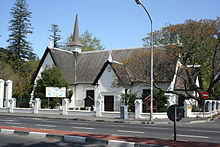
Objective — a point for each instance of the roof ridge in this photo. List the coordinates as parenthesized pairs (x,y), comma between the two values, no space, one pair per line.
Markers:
(63,50)
(120,49)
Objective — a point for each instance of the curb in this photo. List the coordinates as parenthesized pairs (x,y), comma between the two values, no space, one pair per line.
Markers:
(113,143)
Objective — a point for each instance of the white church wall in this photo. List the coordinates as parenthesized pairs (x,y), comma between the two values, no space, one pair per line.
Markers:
(79,94)
(138,89)
(47,62)
(105,88)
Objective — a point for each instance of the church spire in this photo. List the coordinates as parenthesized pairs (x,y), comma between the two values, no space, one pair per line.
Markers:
(75,44)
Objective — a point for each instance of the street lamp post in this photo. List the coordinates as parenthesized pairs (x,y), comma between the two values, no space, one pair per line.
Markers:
(151,73)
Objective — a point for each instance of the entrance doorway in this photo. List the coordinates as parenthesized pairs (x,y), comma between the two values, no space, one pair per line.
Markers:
(89,100)
(109,103)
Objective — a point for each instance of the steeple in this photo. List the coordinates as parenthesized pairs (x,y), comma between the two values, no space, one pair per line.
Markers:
(75,44)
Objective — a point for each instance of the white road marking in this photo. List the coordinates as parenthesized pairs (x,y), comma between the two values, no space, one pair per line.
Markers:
(192,136)
(125,131)
(156,128)
(32,118)
(8,120)
(78,123)
(205,131)
(12,123)
(115,125)
(49,121)
(83,128)
(41,125)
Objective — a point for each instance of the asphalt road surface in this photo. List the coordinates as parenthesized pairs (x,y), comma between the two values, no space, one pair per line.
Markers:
(25,141)
(202,132)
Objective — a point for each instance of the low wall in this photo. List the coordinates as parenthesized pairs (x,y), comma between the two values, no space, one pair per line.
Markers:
(111,114)
(201,114)
(3,109)
(81,113)
(49,111)
(23,110)
(162,115)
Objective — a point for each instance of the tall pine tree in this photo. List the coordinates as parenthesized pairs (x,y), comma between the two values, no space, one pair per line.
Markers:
(20,27)
(55,36)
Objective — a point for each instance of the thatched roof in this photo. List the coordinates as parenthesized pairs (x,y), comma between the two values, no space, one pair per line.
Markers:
(86,66)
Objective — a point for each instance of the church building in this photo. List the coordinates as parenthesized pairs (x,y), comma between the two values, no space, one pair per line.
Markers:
(92,74)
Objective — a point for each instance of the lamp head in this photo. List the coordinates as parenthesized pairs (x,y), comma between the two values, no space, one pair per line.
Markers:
(138,2)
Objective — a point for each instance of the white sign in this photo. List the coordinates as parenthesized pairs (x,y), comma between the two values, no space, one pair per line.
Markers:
(55,91)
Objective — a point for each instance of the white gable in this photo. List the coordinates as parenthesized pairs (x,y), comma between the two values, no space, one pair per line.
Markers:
(106,80)
(47,62)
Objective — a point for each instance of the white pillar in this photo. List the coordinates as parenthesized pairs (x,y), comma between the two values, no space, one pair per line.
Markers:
(8,92)
(138,108)
(98,108)
(214,106)
(2,85)
(12,102)
(218,108)
(187,108)
(65,104)
(209,106)
(37,105)
(31,102)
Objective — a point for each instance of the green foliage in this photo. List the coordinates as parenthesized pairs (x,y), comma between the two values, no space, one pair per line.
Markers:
(89,42)
(50,77)
(21,88)
(195,43)
(128,100)
(20,27)
(55,36)
(161,100)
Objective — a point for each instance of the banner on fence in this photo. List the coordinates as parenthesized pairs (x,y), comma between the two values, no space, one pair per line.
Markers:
(55,91)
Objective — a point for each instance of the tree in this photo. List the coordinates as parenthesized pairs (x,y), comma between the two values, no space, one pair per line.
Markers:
(89,42)
(55,36)
(50,77)
(20,27)
(135,70)
(194,43)
(128,100)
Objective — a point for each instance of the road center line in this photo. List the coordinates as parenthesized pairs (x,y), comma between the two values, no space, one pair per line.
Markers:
(8,120)
(205,131)
(192,136)
(79,123)
(156,128)
(125,131)
(41,125)
(115,125)
(83,128)
(12,123)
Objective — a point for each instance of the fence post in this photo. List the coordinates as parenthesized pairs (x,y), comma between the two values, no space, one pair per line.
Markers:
(2,85)
(37,105)
(218,108)
(65,103)
(98,108)
(8,93)
(12,102)
(138,108)
(187,108)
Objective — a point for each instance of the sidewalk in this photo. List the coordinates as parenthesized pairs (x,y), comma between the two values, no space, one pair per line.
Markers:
(106,119)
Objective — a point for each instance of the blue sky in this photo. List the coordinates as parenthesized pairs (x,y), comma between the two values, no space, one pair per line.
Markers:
(117,23)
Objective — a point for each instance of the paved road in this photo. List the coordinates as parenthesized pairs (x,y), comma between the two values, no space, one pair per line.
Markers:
(23,141)
(203,132)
